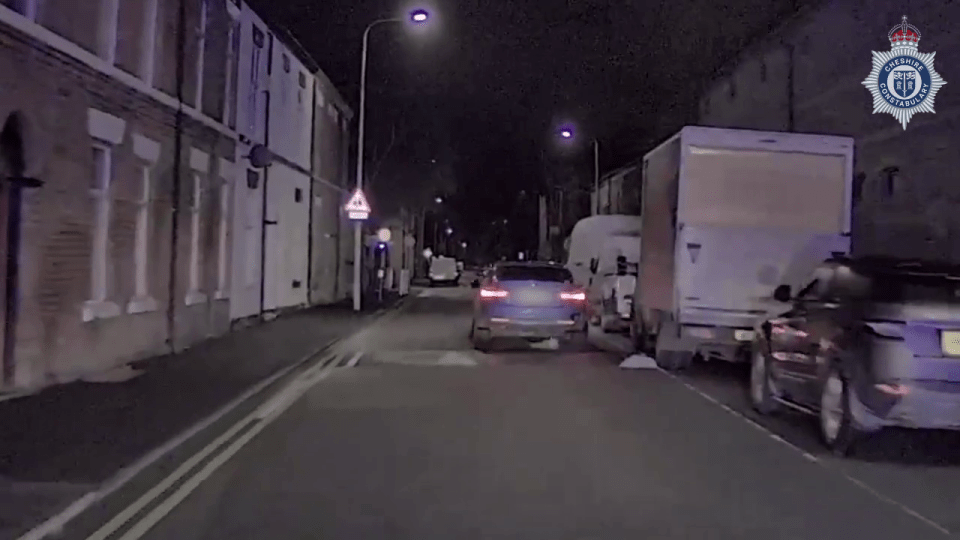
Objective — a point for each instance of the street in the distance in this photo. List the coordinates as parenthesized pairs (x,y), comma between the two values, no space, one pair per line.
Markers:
(423,437)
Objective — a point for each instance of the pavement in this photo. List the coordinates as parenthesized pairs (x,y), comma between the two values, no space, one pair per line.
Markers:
(70,441)
(413,434)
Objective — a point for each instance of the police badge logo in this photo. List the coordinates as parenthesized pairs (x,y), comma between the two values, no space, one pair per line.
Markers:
(903,81)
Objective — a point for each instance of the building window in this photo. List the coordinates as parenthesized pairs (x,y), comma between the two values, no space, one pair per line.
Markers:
(890,177)
(858,181)
(142,235)
(27,8)
(148,42)
(100,193)
(230,103)
(763,71)
(286,63)
(258,40)
(201,45)
(196,202)
(107,31)
(223,234)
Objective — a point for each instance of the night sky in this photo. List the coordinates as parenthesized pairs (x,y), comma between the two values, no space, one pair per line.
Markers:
(469,104)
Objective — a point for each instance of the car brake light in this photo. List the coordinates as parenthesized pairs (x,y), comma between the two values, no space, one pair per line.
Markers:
(573,296)
(493,293)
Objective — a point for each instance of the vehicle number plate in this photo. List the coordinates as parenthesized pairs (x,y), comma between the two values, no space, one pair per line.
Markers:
(950,342)
(532,297)
(743,335)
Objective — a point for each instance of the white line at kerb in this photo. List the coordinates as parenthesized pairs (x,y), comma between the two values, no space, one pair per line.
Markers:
(55,524)
(810,457)
(144,500)
(160,511)
(355,360)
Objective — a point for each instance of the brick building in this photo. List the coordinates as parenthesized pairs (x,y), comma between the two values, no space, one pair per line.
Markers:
(91,88)
(806,77)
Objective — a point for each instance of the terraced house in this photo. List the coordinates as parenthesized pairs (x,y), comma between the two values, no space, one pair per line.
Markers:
(807,76)
(121,169)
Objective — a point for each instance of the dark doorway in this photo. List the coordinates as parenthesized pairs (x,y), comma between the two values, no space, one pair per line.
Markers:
(12,168)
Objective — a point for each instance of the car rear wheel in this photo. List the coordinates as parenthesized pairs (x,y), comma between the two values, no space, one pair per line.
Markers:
(481,339)
(836,421)
(761,392)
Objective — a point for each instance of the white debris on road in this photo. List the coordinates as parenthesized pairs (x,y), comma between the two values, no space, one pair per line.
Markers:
(639,361)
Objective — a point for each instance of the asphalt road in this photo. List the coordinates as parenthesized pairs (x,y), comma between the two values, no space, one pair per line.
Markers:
(420,437)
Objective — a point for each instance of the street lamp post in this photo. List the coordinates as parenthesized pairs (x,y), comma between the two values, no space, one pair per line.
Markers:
(417,16)
(568,134)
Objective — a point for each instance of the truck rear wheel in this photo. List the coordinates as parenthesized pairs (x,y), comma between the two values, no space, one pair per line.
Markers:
(674,360)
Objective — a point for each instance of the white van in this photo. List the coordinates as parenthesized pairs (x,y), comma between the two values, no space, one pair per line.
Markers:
(444,270)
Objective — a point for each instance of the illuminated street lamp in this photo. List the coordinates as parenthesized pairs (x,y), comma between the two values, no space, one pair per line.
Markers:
(567,133)
(438,200)
(449,231)
(418,16)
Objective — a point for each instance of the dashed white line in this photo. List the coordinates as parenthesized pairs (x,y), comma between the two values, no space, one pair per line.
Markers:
(810,457)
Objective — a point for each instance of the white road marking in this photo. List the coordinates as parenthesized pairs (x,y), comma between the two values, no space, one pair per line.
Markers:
(57,522)
(810,457)
(263,416)
(353,361)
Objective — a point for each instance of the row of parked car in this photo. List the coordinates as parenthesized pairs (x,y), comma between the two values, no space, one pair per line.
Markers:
(867,343)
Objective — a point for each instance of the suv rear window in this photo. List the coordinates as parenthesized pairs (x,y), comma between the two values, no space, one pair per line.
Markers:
(533,273)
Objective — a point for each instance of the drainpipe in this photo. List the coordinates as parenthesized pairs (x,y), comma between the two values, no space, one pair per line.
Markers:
(177,179)
(344,172)
(263,207)
(314,118)
(790,90)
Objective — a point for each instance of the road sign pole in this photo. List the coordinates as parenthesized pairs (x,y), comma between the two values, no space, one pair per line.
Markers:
(357,250)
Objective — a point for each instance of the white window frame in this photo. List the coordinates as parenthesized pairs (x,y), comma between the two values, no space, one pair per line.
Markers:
(201,45)
(200,163)
(148,152)
(227,174)
(253,98)
(106,132)
(107,30)
(30,9)
(231,85)
(148,42)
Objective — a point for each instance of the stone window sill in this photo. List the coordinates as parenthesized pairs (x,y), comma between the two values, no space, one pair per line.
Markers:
(195,297)
(99,309)
(141,304)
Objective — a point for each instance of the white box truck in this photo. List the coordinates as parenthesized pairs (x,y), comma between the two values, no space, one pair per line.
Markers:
(728,215)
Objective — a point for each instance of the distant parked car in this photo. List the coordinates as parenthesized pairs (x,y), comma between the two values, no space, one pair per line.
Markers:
(533,301)
(865,344)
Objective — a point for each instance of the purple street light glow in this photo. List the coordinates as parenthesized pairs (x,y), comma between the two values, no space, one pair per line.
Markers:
(419,16)
(566,134)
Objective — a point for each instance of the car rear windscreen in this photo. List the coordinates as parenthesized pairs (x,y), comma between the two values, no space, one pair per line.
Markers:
(533,273)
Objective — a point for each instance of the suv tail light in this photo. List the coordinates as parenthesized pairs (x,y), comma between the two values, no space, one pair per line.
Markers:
(489,292)
(574,296)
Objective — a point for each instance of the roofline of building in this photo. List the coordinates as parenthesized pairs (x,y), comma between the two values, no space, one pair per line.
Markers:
(336,96)
(300,52)
(757,42)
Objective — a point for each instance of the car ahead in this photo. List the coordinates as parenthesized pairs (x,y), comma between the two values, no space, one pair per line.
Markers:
(865,344)
(528,300)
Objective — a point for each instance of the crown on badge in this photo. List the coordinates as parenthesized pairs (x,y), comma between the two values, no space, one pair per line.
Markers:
(904,35)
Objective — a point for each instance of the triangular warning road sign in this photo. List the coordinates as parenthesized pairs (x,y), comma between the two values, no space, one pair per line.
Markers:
(358,203)
(694,250)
